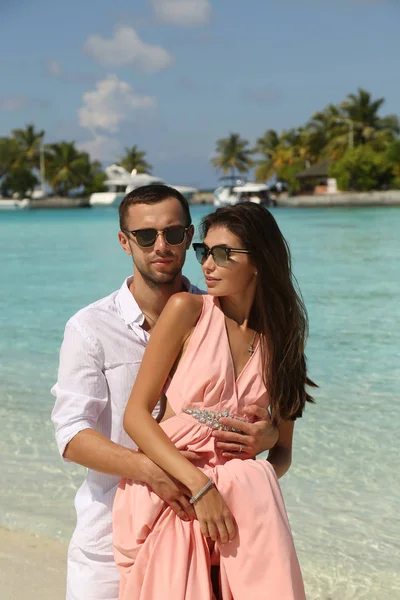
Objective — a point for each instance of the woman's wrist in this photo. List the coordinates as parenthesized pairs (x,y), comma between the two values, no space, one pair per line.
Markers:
(202,492)
(196,481)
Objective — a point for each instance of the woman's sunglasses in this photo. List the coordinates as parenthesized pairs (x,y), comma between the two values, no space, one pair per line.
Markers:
(146,238)
(220,254)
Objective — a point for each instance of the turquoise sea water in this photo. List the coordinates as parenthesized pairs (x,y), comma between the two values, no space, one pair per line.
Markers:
(343,489)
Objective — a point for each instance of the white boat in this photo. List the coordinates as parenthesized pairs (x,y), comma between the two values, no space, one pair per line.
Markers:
(14,204)
(239,190)
(120,182)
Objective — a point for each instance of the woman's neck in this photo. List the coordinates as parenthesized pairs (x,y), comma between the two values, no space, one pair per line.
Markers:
(238,308)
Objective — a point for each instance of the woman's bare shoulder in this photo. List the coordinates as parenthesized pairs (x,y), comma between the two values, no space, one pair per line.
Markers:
(184,302)
(183,310)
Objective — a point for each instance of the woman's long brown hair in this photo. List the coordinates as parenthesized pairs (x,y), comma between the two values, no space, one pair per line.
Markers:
(278,311)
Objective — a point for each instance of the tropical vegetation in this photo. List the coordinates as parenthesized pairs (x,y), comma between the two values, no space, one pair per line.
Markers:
(362,147)
(135,159)
(232,154)
(26,162)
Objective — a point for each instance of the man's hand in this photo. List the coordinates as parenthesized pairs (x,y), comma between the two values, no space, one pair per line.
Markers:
(258,435)
(174,493)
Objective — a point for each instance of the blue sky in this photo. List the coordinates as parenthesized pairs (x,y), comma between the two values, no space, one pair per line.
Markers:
(174,75)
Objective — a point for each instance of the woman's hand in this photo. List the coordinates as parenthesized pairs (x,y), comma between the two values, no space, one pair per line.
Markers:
(215,518)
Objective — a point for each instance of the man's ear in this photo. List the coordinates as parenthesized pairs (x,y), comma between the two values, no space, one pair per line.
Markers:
(189,236)
(123,240)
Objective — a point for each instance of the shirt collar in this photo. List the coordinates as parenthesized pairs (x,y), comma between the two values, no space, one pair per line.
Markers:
(129,308)
(127,305)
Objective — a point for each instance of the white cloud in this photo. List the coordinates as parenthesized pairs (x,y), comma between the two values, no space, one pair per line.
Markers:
(125,48)
(53,68)
(112,102)
(101,147)
(186,13)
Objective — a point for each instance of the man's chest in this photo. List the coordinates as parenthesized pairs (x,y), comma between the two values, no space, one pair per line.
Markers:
(120,353)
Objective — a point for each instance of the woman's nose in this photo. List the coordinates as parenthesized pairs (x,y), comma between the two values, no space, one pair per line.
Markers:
(209,264)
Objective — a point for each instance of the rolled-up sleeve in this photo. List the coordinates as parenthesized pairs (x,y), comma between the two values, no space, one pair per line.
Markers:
(81,388)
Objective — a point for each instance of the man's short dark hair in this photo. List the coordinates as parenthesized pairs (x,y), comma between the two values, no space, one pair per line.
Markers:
(152,194)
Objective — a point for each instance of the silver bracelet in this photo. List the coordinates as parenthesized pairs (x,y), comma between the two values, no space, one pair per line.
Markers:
(201,493)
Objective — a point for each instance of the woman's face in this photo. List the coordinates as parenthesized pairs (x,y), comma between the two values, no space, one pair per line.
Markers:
(237,274)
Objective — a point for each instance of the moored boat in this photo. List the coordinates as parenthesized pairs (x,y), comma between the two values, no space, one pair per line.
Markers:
(14,204)
(120,182)
(232,193)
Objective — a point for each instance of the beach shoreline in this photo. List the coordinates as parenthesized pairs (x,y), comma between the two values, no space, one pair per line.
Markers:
(342,200)
(31,566)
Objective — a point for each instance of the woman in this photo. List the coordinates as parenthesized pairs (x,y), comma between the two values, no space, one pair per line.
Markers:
(241,344)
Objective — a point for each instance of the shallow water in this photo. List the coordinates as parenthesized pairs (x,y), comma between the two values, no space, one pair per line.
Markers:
(343,487)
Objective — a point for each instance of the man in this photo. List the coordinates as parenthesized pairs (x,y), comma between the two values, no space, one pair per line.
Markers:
(99,360)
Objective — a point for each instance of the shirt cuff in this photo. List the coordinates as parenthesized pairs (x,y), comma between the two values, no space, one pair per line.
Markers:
(65,435)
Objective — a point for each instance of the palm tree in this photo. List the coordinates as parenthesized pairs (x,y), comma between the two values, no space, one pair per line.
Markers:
(135,159)
(94,179)
(266,146)
(20,181)
(10,155)
(387,133)
(232,154)
(67,168)
(29,141)
(393,154)
(362,112)
(291,149)
(297,144)
(323,127)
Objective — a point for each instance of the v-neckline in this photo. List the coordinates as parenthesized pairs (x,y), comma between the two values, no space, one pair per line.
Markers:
(235,378)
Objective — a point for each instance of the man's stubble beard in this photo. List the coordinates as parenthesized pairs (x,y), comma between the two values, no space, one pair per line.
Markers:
(157,280)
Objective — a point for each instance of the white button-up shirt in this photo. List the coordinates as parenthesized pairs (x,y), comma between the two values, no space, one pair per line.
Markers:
(100,357)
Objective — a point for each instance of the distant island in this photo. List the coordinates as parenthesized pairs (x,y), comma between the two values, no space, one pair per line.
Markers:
(349,143)
(346,146)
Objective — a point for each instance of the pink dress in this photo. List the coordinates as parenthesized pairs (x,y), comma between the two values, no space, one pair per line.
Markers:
(161,557)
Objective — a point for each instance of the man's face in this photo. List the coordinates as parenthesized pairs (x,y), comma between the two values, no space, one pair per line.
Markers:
(160,264)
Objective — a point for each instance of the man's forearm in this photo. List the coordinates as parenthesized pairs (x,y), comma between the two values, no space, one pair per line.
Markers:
(94,451)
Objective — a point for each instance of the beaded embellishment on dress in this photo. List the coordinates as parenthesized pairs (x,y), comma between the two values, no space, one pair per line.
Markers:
(211,418)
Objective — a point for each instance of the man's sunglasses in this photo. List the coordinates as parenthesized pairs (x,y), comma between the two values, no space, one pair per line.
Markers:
(220,254)
(146,238)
